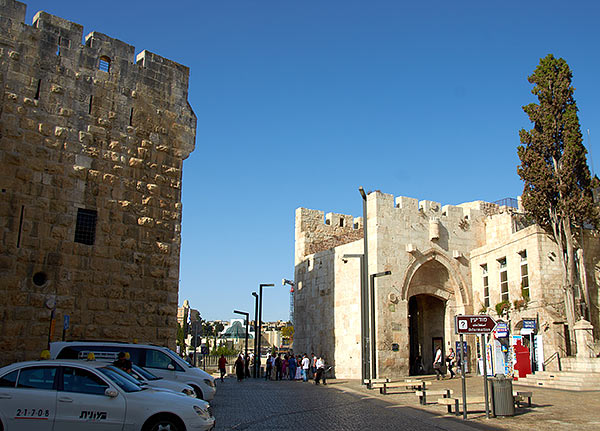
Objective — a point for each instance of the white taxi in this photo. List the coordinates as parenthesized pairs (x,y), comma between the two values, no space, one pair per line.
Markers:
(74,395)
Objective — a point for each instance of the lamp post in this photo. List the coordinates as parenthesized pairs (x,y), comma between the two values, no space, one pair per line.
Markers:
(373,340)
(364,316)
(292,285)
(260,290)
(243,313)
(256,366)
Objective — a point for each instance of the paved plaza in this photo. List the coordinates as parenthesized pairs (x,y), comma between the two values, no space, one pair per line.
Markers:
(284,405)
(346,405)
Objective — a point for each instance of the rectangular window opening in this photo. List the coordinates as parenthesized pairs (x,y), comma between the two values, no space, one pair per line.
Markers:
(131,117)
(104,65)
(341,222)
(503,280)
(90,107)
(486,287)
(39,88)
(85,228)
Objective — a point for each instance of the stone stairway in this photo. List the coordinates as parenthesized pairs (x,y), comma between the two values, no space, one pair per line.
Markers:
(566,380)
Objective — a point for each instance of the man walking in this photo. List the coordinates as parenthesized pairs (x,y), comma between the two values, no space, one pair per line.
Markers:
(305,367)
(222,363)
(320,371)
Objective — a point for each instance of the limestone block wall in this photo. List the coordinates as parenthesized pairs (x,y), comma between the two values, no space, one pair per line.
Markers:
(316,232)
(544,275)
(87,127)
(404,235)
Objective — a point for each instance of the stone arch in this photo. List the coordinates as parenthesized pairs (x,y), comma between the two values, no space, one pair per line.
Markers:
(454,277)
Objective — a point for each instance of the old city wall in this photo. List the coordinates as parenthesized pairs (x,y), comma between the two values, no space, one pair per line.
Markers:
(87,126)
(324,312)
(427,247)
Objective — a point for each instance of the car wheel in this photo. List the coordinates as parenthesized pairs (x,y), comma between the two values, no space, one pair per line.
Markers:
(164,423)
(198,392)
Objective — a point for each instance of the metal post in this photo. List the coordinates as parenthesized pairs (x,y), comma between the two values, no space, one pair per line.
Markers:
(247,316)
(372,323)
(485,381)
(256,356)
(364,316)
(462,376)
(199,322)
(258,337)
(365,284)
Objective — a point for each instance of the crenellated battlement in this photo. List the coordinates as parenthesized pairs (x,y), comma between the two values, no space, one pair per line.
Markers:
(316,231)
(58,37)
(410,206)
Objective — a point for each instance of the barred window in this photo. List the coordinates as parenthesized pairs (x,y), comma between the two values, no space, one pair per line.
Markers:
(85,229)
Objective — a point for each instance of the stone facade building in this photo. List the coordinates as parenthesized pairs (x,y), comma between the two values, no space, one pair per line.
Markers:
(92,142)
(444,261)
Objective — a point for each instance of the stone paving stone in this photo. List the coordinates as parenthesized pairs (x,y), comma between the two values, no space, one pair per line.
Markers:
(269,405)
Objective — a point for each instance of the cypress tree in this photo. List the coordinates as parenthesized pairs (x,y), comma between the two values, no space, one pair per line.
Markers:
(558,187)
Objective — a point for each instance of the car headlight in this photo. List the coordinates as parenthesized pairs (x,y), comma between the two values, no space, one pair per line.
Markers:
(210,383)
(190,392)
(202,412)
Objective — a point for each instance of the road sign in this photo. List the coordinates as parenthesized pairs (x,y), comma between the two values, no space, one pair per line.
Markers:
(66,322)
(501,330)
(528,327)
(479,324)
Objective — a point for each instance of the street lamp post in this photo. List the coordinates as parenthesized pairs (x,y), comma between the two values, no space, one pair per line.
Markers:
(243,313)
(256,366)
(260,290)
(364,316)
(373,339)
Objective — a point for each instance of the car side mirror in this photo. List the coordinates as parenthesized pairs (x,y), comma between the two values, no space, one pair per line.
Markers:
(111,393)
(171,367)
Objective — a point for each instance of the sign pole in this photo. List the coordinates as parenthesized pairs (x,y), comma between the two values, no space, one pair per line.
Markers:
(485,383)
(462,376)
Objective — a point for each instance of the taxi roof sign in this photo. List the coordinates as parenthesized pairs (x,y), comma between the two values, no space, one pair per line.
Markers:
(478,324)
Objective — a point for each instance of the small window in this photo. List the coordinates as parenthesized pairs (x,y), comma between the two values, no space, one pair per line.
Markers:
(104,64)
(486,287)
(82,382)
(9,380)
(39,87)
(341,222)
(37,378)
(503,280)
(85,230)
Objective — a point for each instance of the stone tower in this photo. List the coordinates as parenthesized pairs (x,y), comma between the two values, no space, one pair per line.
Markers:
(92,142)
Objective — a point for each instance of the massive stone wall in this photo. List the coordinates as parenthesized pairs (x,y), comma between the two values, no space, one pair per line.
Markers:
(87,127)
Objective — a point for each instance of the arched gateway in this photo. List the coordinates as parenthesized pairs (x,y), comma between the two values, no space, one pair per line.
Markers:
(432,286)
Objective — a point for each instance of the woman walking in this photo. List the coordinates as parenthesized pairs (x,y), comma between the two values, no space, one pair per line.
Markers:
(239,368)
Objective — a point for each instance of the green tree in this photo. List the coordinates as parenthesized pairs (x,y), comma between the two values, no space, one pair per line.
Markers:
(287,332)
(557,190)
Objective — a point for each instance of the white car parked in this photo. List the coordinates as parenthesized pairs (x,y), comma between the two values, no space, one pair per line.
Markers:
(79,396)
(161,361)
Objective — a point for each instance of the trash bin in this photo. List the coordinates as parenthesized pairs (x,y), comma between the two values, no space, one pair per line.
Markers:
(502,396)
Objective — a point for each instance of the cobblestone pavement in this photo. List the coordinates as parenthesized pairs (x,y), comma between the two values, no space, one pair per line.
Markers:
(551,410)
(284,405)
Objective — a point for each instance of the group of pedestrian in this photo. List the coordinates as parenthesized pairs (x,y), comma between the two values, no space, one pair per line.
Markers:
(296,367)
(242,366)
(450,363)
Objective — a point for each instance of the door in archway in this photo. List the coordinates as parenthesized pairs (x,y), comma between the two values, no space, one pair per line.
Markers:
(426,329)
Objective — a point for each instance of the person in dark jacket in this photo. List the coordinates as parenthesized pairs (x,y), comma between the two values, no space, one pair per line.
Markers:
(239,368)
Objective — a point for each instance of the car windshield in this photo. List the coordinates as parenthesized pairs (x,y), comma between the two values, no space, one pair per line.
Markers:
(145,373)
(124,383)
(174,355)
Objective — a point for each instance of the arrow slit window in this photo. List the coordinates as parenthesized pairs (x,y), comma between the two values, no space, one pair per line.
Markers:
(503,279)
(486,287)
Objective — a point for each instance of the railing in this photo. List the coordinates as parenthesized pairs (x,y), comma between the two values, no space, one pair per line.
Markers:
(213,360)
(508,202)
(552,358)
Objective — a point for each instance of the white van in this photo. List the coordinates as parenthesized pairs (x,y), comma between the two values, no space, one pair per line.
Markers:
(159,360)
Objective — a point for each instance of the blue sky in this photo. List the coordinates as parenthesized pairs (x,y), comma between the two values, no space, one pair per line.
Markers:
(300,102)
